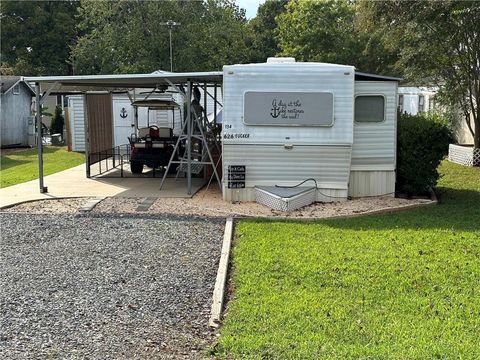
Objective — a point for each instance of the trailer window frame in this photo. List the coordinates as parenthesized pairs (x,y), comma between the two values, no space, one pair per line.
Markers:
(384,118)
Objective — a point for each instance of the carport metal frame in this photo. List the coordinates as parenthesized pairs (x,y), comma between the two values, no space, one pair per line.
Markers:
(81,85)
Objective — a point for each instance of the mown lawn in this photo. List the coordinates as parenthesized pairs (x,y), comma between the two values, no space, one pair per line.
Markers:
(397,286)
(22,166)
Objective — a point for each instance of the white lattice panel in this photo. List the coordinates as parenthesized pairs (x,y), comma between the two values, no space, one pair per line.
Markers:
(463,155)
(476,157)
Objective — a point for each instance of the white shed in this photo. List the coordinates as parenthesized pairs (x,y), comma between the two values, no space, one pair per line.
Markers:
(286,122)
(15,115)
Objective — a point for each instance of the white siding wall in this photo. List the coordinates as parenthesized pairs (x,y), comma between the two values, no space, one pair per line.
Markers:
(372,183)
(374,145)
(294,77)
(274,165)
(77,122)
(323,153)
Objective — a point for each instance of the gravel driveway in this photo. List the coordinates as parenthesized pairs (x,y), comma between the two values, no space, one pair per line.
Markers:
(99,287)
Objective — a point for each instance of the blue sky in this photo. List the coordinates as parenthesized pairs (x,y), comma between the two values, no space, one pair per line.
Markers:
(250,6)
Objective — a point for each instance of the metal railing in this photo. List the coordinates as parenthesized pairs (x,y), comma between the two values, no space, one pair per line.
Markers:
(115,163)
(109,163)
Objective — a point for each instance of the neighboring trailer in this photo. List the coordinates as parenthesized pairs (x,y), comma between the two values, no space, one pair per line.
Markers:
(416,99)
(286,122)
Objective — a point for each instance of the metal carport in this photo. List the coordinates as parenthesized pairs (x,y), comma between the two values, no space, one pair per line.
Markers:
(69,85)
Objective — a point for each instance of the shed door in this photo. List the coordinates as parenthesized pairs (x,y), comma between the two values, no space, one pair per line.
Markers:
(100,125)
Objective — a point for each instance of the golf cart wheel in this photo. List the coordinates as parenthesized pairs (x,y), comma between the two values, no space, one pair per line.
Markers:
(136,167)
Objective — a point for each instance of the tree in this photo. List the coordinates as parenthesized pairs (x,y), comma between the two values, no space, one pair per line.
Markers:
(36,36)
(263,26)
(126,37)
(327,31)
(58,121)
(438,41)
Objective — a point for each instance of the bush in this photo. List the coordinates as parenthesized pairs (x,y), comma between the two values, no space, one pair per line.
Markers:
(422,142)
(57,122)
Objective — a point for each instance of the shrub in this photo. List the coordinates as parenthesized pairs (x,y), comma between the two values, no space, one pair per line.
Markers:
(57,122)
(422,142)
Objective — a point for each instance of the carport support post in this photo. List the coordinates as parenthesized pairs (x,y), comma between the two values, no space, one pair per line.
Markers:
(189,137)
(43,189)
(87,135)
(215,104)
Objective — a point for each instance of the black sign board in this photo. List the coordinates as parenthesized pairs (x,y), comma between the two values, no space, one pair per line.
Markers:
(236,168)
(236,185)
(236,176)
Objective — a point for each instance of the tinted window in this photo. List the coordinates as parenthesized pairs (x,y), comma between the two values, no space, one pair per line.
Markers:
(369,108)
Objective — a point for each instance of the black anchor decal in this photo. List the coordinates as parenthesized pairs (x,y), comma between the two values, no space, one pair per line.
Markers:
(275,109)
(123,113)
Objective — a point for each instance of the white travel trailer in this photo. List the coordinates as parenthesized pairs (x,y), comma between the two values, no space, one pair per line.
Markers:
(414,100)
(286,122)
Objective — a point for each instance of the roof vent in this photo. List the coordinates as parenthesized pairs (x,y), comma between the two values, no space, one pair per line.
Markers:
(280,60)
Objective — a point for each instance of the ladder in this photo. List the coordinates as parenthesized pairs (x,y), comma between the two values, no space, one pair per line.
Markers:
(192,162)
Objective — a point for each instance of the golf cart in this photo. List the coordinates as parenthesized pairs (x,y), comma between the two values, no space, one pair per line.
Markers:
(153,145)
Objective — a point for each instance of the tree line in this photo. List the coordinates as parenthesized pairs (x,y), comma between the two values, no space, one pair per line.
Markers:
(428,42)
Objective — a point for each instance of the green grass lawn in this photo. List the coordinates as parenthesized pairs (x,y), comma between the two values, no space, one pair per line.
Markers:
(396,286)
(22,166)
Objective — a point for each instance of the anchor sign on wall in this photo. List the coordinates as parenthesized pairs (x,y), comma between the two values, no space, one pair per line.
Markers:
(275,109)
(123,113)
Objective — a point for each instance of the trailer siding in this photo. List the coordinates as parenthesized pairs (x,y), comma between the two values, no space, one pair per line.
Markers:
(374,145)
(372,183)
(296,77)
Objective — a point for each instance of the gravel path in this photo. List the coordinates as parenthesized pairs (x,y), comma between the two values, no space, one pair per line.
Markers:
(106,287)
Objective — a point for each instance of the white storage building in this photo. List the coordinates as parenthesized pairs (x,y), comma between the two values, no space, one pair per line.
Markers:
(285,122)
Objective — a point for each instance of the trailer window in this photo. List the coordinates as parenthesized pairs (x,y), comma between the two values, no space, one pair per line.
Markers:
(369,108)
(421,103)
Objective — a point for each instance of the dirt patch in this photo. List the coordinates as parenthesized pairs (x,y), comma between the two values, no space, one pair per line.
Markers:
(208,202)
(13,150)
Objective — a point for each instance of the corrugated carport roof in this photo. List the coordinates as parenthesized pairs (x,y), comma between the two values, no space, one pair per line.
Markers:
(120,82)
(361,76)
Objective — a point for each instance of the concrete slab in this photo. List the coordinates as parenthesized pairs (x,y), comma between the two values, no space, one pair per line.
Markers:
(73,183)
(146,203)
